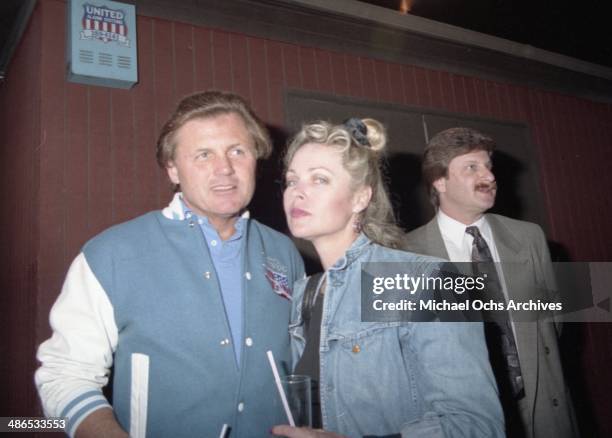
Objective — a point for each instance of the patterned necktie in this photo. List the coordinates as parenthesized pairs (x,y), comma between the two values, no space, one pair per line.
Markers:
(503,336)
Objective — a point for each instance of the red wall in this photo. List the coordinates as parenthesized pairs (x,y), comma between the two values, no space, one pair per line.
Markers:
(20,145)
(77,159)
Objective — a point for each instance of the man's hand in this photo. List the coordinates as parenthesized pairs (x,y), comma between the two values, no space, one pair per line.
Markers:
(100,424)
(303,432)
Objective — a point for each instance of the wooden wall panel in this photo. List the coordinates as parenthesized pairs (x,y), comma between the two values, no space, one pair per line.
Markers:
(514,96)
(99,181)
(524,109)
(241,80)
(325,80)
(554,165)
(258,72)
(480,92)
(354,76)
(381,81)
(422,86)
(583,135)
(76,150)
(164,92)
(447,94)
(368,78)
(51,243)
(397,83)
(52,158)
(339,74)
(291,66)
(410,87)
(274,54)
(146,172)
(551,159)
(471,93)
(123,158)
(601,131)
(561,169)
(504,103)
(594,136)
(493,100)
(183,59)
(203,58)
(307,68)
(435,90)
(222,60)
(20,139)
(460,96)
(577,173)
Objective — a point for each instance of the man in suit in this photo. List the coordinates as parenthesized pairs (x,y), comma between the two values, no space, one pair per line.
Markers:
(525,357)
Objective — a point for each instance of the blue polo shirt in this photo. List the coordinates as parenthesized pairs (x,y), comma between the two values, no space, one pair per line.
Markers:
(227,259)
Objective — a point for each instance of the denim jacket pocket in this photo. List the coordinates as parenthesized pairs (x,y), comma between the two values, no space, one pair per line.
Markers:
(348,334)
(373,350)
(370,345)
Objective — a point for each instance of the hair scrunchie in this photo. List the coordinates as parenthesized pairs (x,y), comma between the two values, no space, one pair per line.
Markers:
(358,131)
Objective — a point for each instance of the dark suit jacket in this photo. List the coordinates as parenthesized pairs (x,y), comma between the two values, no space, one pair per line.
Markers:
(546,410)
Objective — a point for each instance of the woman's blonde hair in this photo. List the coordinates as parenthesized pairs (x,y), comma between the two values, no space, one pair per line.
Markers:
(361,143)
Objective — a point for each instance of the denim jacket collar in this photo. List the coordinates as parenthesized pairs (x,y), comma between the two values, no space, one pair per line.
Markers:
(359,245)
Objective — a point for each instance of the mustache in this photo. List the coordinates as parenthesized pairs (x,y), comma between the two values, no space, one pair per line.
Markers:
(486,186)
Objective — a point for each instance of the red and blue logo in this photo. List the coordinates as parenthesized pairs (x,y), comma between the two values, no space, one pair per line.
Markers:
(276,274)
(104,24)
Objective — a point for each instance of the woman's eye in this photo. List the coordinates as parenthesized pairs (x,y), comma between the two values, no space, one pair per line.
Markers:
(237,151)
(289,183)
(320,180)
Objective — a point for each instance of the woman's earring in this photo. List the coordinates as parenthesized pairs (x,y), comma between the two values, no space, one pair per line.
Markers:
(357,226)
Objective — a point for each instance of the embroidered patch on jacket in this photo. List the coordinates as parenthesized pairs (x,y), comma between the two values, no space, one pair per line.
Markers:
(276,273)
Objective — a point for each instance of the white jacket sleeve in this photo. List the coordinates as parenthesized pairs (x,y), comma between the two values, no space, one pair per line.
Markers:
(76,360)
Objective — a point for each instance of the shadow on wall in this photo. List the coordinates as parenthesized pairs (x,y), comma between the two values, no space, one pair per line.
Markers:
(267,203)
(508,171)
(574,339)
(408,194)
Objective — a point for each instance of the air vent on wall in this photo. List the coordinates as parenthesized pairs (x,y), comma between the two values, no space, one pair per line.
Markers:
(86,56)
(105,59)
(124,61)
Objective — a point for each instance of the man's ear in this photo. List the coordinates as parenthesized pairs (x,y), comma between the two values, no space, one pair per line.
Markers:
(172,172)
(440,184)
(361,199)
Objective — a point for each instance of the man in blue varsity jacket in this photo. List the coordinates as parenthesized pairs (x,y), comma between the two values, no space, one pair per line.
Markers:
(182,303)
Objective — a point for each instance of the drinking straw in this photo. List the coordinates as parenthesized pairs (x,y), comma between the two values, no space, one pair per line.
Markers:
(224,430)
(279,386)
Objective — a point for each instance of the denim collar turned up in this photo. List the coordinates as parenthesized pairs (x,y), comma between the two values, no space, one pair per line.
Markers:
(358,246)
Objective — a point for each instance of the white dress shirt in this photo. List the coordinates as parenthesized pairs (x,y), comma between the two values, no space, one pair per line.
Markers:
(458,244)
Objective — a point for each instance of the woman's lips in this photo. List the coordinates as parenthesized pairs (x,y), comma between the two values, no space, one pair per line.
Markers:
(297,213)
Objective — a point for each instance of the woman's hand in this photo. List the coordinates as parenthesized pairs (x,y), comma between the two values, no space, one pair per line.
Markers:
(303,432)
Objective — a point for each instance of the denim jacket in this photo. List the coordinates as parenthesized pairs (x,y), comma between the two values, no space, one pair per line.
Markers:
(420,379)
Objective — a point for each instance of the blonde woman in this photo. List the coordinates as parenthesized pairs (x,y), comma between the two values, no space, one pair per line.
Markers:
(372,379)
